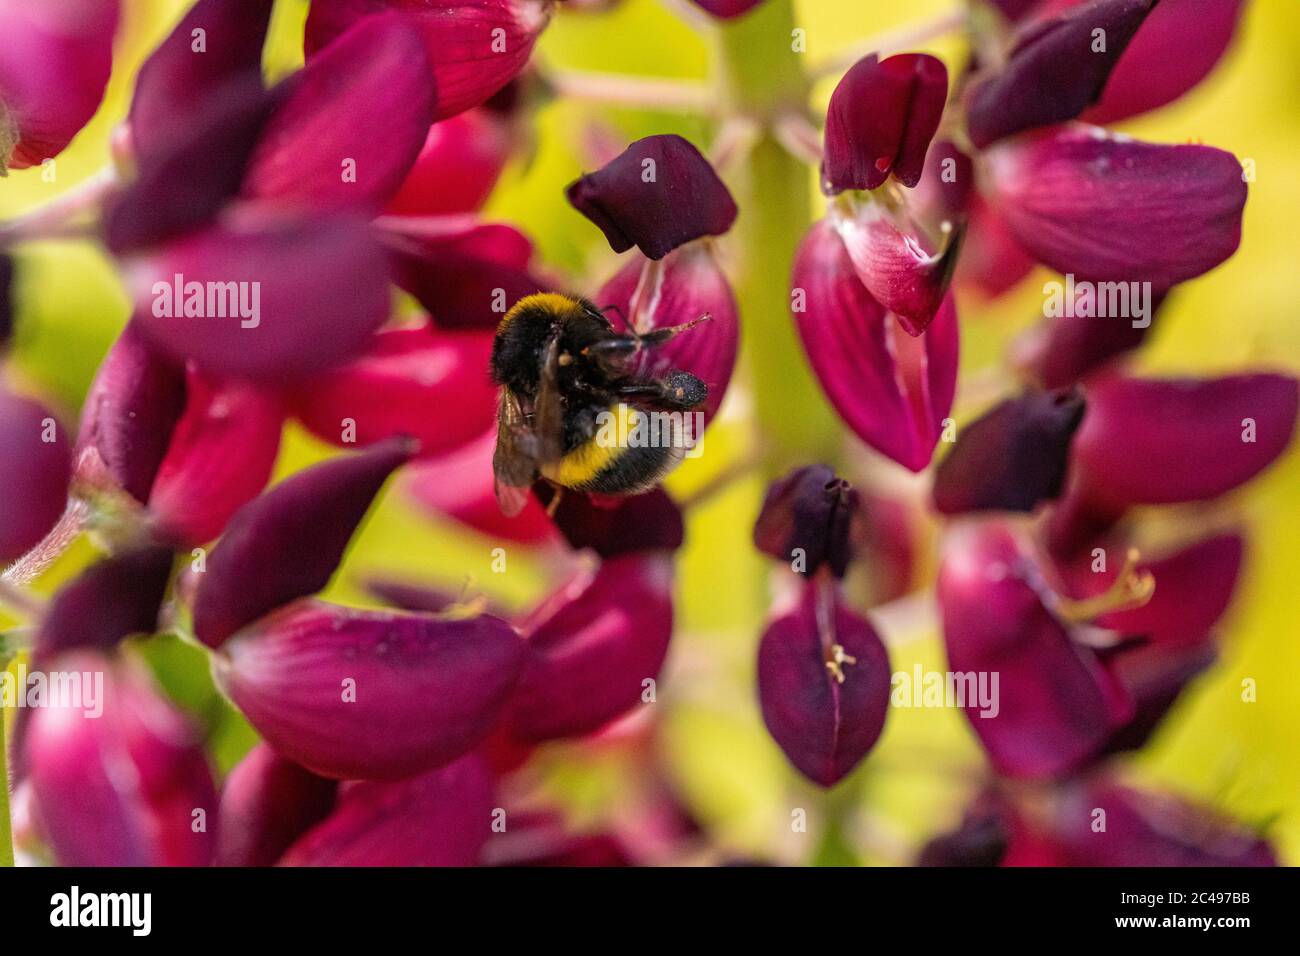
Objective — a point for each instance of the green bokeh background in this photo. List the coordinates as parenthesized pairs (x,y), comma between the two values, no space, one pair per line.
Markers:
(1241,757)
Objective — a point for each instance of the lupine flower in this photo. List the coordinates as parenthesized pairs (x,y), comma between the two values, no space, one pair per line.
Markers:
(894,390)
(34,467)
(130,787)
(53,70)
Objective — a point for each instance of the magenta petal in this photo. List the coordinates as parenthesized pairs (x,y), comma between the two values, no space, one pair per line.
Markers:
(309,293)
(688,285)
(1061,351)
(220,457)
(1054,71)
(1112,209)
(267,802)
(1012,458)
(115,598)
(288,543)
(35,467)
(646,522)
(881,119)
(128,417)
(176,78)
(187,179)
(460,162)
(370,694)
(893,390)
(124,788)
(1140,434)
(54,65)
(440,818)
(895,266)
(991,260)
(590,657)
(1056,704)
(429,384)
(456,271)
(1177,47)
(806,519)
(474,47)
(727,9)
(825,726)
(658,194)
(351,124)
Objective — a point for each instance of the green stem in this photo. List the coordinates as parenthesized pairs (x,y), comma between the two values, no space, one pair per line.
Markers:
(6,830)
(762,77)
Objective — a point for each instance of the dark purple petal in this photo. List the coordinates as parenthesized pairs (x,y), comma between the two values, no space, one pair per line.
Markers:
(428,384)
(1177,47)
(190,176)
(133,406)
(54,65)
(352,123)
(806,518)
(1103,208)
(1140,435)
(648,522)
(267,802)
(35,467)
(881,119)
(1056,69)
(591,653)
(6,299)
(288,543)
(1055,704)
(177,77)
(657,194)
(1065,349)
(688,285)
(474,47)
(1156,678)
(824,724)
(981,840)
(122,788)
(892,389)
(440,818)
(115,598)
(220,457)
(310,293)
(896,265)
(1012,458)
(372,695)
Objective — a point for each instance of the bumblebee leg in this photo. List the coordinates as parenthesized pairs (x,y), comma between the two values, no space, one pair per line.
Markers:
(677,391)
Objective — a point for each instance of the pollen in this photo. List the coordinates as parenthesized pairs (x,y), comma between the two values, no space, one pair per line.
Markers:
(838,658)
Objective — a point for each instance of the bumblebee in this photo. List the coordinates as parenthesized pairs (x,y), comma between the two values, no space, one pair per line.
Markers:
(568,382)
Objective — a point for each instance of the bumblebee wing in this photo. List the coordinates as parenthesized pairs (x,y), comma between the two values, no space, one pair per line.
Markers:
(548,409)
(513,467)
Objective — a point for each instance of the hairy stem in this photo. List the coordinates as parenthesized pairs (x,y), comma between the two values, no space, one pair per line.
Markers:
(6,829)
(59,216)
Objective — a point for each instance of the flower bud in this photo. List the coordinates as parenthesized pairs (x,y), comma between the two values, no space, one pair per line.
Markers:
(1056,69)
(823,685)
(592,649)
(881,119)
(267,802)
(35,467)
(127,787)
(658,194)
(353,694)
(727,9)
(893,390)
(1012,458)
(806,519)
(474,47)
(440,818)
(288,543)
(394,386)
